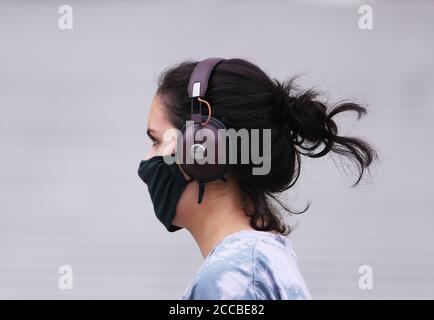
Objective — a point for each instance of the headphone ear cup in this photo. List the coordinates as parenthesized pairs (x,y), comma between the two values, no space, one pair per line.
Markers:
(201,145)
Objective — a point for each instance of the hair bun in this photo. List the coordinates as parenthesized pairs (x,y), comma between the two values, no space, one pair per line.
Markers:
(305,117)
(298,112)
(283,102)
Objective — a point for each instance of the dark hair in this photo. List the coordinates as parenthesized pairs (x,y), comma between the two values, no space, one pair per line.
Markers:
(243,96)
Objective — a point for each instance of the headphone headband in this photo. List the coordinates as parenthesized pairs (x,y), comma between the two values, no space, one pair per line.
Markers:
(199,78)
(197,86)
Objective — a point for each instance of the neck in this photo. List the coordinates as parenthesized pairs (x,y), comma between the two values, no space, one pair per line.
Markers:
(214,221)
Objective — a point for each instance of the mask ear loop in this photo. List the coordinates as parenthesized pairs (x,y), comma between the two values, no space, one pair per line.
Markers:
(200,182)
(201,191)
(209,110)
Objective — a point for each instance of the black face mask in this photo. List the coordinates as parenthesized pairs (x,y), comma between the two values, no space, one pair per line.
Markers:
(165,184)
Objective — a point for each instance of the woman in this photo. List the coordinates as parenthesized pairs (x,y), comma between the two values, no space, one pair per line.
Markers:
(236,222)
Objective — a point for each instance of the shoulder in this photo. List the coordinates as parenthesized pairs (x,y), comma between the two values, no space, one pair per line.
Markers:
(248,266)
(276,272)
(226,274)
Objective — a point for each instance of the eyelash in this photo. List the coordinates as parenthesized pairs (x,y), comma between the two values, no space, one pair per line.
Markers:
(154,141)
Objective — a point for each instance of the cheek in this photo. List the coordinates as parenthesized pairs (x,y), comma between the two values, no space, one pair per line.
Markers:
(164,148)
(151,152)
(185,204)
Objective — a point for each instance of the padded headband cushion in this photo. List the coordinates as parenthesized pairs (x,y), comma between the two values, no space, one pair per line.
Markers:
(199,78)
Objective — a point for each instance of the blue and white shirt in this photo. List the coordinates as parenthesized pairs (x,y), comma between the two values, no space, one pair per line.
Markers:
(249,265)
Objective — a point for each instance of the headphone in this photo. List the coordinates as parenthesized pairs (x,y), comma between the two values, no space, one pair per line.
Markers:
(202,137)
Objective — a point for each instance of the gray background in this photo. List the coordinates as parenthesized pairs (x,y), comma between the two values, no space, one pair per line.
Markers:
(73,108)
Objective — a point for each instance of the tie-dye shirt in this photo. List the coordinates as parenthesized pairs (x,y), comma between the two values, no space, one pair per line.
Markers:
(249,265)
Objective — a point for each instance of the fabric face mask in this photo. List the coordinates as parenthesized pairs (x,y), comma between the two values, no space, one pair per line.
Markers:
(165,185)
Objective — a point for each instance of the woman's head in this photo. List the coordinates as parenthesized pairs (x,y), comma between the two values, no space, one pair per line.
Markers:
(242,96)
